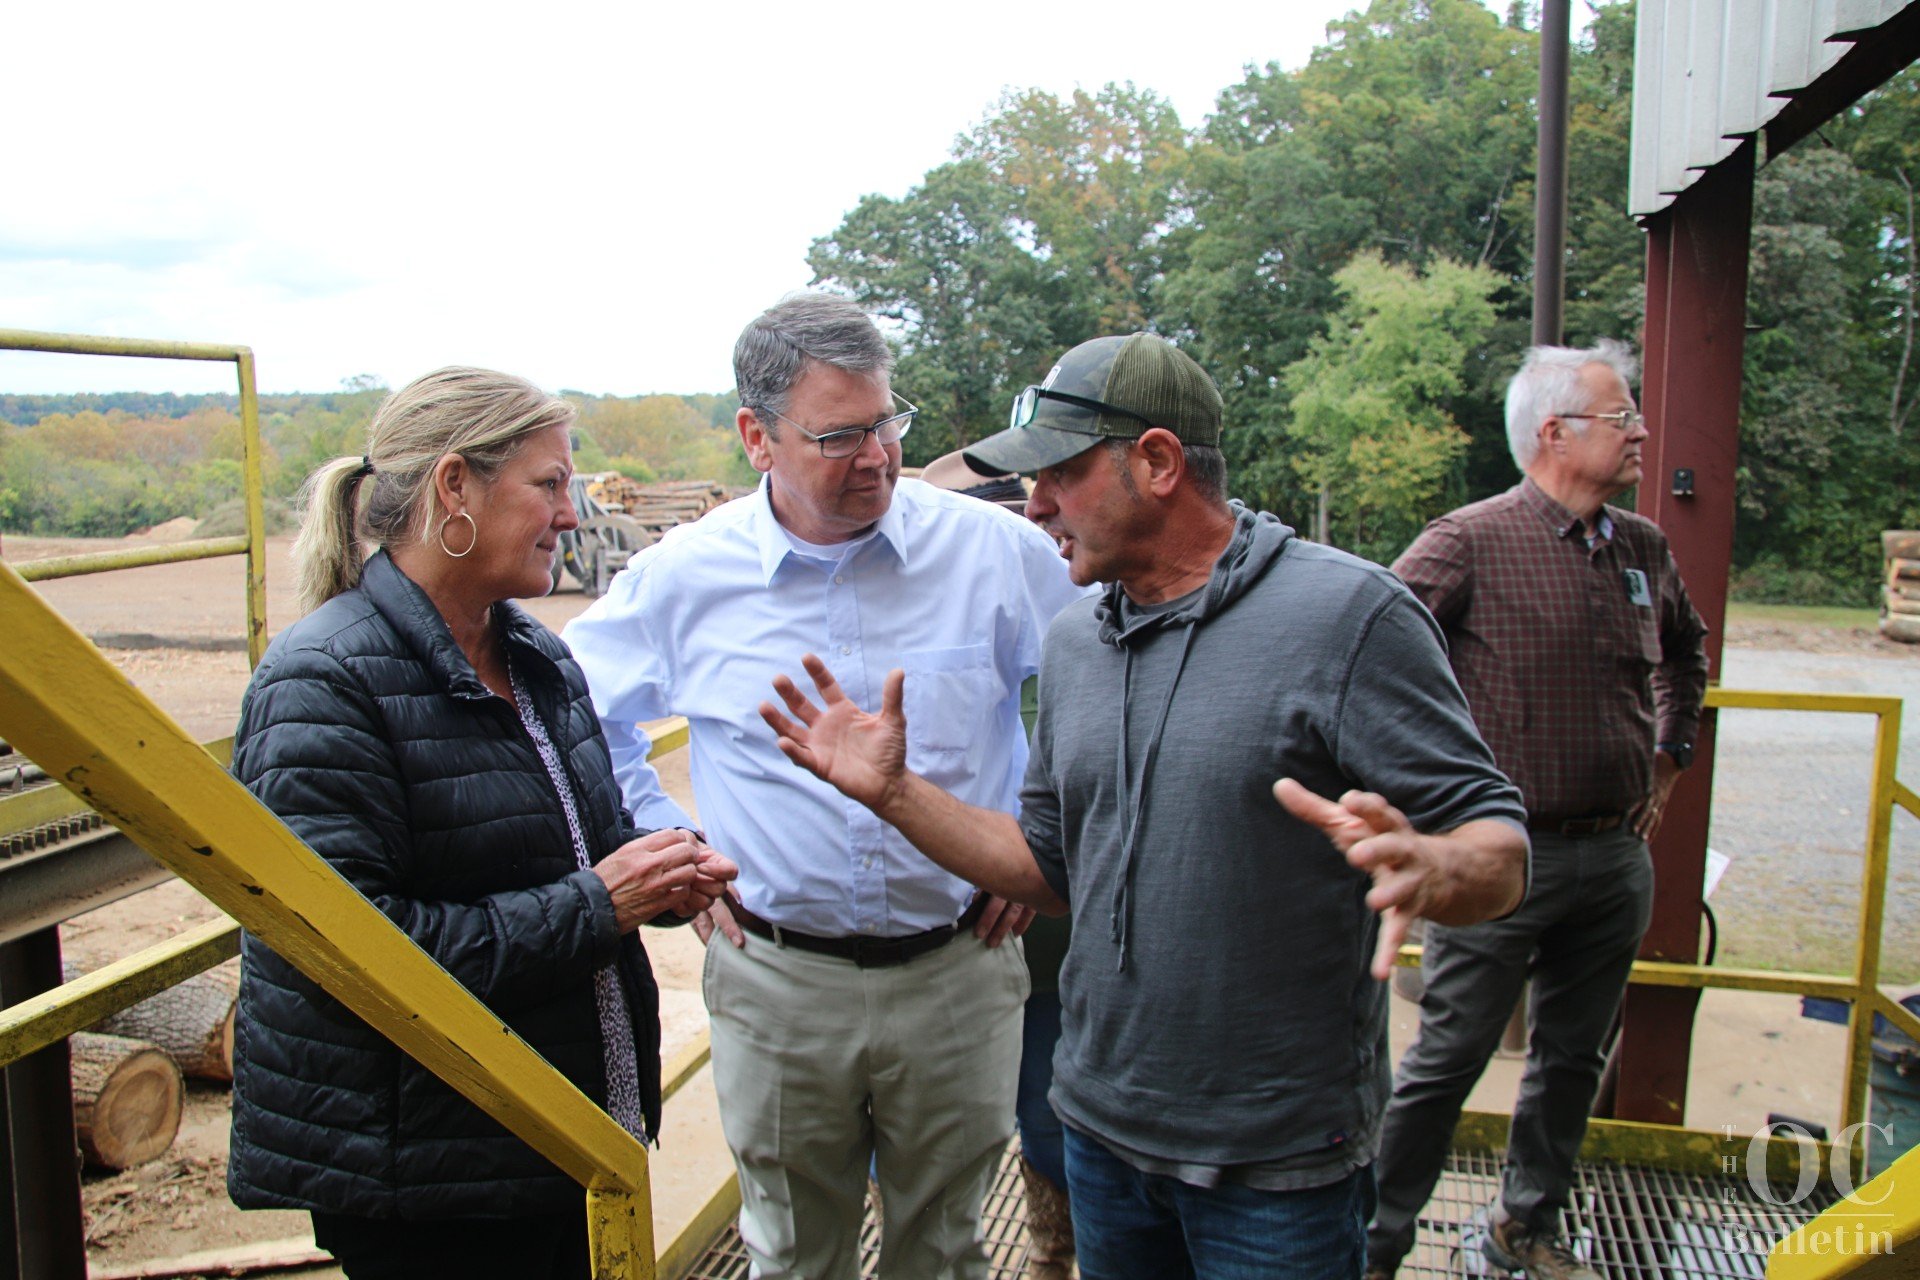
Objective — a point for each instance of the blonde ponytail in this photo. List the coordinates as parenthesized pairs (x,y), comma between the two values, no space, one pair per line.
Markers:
(326,554)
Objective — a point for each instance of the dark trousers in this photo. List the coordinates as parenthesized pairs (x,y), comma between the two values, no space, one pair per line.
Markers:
(550,1247)
(1040,1140)
(1588,904)
(1130,1225)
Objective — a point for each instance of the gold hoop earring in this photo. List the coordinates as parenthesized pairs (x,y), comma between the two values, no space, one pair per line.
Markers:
(442,535)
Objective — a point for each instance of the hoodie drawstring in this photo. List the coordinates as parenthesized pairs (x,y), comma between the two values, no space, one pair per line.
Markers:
(1133,798)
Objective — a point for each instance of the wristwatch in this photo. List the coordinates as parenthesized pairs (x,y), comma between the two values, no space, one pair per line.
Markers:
(1682,752)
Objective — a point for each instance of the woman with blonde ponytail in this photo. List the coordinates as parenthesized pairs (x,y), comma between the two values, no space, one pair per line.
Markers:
(437,746)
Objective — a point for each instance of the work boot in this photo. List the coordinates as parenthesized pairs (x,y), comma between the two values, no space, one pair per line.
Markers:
(1049,1227)
(1539,1255)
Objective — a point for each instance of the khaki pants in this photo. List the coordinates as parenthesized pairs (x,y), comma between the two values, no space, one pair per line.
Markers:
(823,1068)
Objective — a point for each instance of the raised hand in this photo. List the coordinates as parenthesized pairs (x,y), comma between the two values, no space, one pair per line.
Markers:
(864,756)
(1377,839)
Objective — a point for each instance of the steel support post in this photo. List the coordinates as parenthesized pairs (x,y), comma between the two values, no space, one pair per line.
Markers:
(42,1232)
(1695,340)
(1550,181)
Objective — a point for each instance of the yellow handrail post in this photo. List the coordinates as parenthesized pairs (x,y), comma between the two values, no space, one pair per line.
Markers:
(620,1230)
(254,474)
(1873,889)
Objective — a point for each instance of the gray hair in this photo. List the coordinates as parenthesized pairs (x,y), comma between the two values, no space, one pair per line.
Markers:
(799,331)
(483,416)
(1549,383)
(1206,468)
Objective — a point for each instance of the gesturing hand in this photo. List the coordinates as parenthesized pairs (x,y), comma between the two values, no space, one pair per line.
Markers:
(1377,839)
(862,755)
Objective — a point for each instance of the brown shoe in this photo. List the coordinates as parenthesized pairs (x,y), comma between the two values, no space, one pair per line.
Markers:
(1049,1227)
(1538,1255)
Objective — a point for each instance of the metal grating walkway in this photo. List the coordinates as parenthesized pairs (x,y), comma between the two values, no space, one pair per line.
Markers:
(1630,1223)
(1627,1223)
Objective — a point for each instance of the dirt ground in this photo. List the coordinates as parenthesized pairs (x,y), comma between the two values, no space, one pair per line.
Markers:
(176,632)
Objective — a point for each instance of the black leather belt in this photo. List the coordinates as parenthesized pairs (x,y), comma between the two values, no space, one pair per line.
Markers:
(868,953)
(1592,825)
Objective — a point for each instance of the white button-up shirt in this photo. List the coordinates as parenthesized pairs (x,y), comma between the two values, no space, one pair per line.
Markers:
(955,591)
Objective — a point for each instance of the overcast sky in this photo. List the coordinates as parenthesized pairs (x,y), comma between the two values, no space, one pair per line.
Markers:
(596,196)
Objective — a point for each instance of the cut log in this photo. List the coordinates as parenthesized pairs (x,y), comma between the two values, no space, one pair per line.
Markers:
(1899,567)
(127,1100)
(1901,627)
(191,1021)
(1902,605)
(1901,543)
(1905,588)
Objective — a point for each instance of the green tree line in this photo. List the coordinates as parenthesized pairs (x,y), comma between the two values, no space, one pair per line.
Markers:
(107,465)
(1348,249)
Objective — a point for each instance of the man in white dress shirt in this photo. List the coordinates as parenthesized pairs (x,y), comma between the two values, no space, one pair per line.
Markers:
(861,1020)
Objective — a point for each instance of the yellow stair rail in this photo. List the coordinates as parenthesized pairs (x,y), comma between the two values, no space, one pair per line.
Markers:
(1873,1234)
(67,708)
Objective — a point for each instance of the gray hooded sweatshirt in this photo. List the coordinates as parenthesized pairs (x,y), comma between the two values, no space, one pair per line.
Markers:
(1217,1008)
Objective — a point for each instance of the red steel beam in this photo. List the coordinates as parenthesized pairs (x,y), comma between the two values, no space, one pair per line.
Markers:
(1694,342)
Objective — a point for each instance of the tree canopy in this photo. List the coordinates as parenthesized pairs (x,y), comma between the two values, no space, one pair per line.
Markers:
(1348,248)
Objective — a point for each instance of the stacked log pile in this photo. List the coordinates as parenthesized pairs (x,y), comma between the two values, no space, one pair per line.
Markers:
(1900,611)
(659,506)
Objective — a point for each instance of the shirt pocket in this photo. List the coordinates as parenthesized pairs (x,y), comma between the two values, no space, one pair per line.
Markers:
(950,699)
(1642,646)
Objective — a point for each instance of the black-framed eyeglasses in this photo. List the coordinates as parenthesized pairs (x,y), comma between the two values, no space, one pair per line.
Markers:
(1027,403)
(847,441)
(1625,420)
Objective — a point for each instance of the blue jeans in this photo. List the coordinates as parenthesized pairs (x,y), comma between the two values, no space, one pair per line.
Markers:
(1039,1127)
(1131,1225)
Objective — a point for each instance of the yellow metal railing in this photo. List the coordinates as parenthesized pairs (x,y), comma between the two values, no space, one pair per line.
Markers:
(66,707)
(1862,987)
(1705,1151)
(1873,1234)
(253,544)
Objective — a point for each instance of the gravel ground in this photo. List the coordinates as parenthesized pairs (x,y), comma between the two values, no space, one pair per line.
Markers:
(1790,808)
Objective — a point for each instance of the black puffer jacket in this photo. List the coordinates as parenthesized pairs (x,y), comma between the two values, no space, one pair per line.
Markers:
(367,731)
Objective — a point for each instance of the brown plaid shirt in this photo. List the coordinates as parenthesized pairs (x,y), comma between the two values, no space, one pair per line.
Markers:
(1575,660)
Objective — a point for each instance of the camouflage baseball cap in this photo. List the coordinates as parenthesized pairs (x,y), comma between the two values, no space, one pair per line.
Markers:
(1108,388)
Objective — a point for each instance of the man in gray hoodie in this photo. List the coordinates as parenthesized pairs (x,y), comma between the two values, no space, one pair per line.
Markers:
(1223,1058)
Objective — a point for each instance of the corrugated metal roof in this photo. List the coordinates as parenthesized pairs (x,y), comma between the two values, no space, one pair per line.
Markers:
(1707,73)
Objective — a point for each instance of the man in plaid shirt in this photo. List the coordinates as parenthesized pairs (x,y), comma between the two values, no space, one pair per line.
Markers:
(1584,665)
